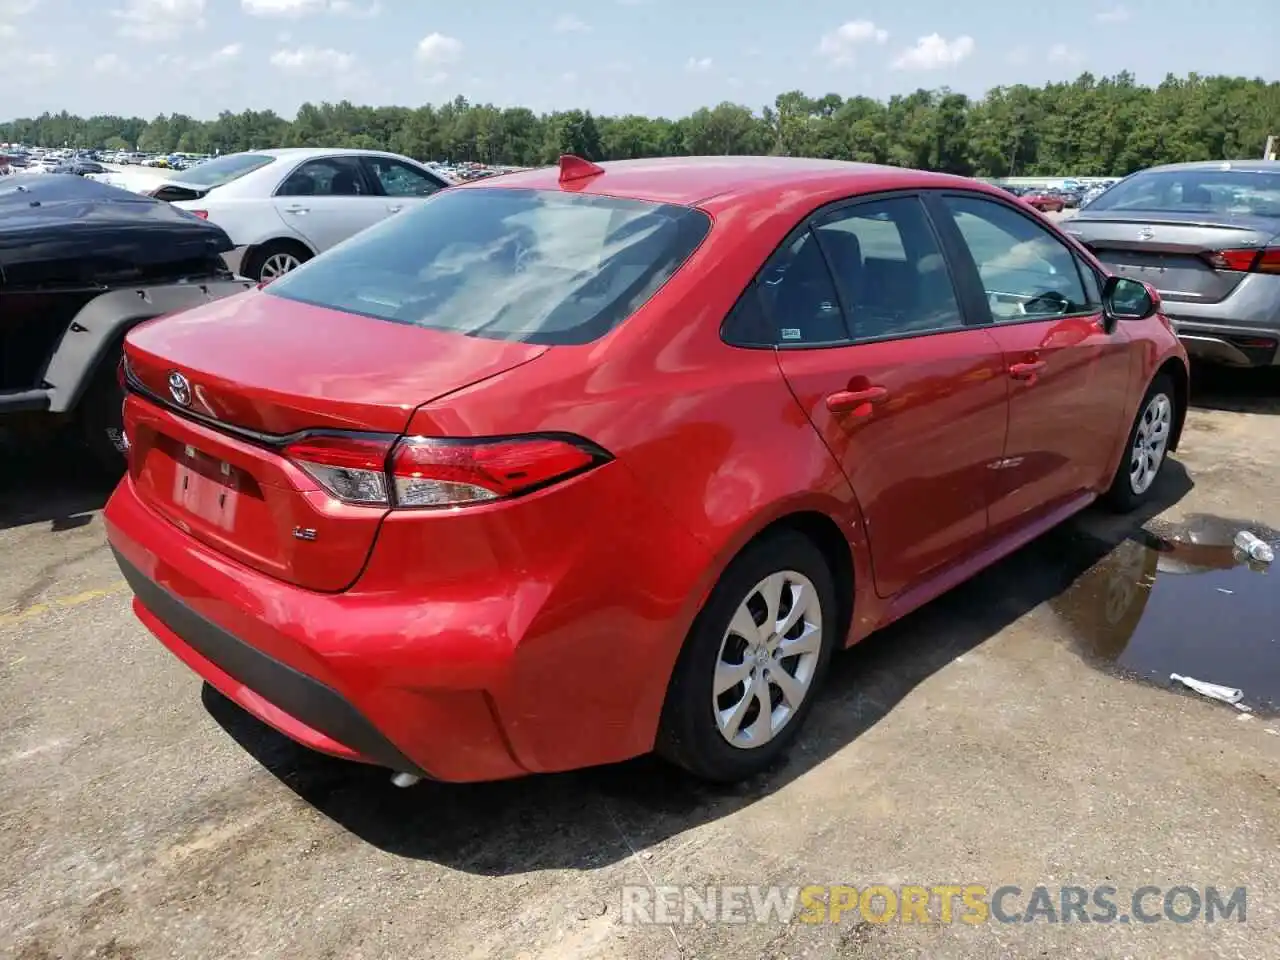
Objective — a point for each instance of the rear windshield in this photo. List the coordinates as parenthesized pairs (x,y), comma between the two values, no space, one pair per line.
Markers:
(1227,192)
(535,266)
(214,173)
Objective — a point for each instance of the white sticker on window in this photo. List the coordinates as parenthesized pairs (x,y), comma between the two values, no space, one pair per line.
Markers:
(790,333)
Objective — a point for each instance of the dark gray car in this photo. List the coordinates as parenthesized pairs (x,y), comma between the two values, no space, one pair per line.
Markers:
(1207,236)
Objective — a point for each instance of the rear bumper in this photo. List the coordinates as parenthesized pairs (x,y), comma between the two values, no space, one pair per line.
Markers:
(1231,344)
(551,660)
(294,703)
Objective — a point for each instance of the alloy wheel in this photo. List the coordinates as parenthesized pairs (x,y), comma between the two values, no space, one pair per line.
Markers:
(1150,442)
(768,659)
(277,265)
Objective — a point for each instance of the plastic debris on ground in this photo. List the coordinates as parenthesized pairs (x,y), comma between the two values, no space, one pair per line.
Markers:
(1214,691)
(1254,547)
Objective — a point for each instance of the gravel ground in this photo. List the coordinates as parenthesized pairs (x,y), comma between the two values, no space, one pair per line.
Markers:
(978,742)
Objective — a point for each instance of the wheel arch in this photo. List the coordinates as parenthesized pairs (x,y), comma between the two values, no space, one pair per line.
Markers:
(825,534)
(254,250)
(1178,373)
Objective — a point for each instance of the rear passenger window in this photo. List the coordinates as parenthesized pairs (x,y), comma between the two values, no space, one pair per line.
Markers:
(799,297)
(891,272)
(1026,272)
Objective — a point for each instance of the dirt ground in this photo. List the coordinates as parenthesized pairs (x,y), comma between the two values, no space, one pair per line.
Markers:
(978,742)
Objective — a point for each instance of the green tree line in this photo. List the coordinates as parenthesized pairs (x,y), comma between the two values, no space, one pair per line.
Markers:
(1092,126)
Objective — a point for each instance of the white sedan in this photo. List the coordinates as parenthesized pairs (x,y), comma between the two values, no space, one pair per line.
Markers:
(282,207)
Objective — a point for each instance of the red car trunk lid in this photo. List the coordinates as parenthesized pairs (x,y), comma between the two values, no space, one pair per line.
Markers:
(248,370)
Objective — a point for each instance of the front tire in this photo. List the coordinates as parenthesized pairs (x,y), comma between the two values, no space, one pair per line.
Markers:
(751,667)
(1146,449)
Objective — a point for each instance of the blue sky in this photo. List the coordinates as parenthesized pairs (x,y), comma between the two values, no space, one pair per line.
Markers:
(645,56)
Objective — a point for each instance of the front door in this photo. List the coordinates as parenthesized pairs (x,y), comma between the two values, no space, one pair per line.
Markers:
(909,399)
(1068,375)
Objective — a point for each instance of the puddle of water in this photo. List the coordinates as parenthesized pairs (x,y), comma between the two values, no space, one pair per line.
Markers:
(1180,599)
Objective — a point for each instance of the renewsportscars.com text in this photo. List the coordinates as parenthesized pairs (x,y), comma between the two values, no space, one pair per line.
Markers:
(940,903)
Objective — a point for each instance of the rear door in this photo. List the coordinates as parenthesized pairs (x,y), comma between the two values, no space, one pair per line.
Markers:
(1069,376)
(910,399)
(329,199)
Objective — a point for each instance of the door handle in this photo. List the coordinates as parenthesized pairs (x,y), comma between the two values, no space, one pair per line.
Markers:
(296,209)
(1026,371)
(395,207)
(843,401)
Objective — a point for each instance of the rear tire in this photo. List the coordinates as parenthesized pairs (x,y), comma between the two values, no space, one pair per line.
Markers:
(1146,448)
(274,259)
(727,736)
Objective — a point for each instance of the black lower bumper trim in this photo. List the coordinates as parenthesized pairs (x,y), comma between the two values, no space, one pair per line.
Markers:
(302,697)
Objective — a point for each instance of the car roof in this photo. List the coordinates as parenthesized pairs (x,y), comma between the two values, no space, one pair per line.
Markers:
(304,152)
(694,180)
(1241,166)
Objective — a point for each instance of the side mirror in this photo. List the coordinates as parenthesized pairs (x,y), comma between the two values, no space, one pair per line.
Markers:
(1126,299)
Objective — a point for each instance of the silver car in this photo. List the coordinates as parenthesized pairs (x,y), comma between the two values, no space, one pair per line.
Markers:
(1207,236)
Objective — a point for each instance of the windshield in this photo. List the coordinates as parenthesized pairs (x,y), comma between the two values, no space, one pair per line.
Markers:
(214,173)
(534,266)
(1222,192)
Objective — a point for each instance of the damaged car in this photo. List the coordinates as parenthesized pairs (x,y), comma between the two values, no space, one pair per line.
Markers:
(82,263)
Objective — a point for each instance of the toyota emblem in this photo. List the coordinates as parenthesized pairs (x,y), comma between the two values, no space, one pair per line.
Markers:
(180,389)
(1146,233)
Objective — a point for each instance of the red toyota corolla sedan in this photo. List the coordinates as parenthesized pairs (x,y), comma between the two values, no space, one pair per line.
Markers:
(572,465)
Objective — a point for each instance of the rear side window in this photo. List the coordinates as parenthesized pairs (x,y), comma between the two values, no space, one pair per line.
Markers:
(1221,192)
(216,173)
(534,266)
(799,297)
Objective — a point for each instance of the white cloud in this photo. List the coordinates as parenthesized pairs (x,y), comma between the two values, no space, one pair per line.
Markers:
(935,52)
(8,30)
(569,77)
(189,64)
(568,23)
(110,63)
(1112,15)
(17,8)
(348,8)
(1061,53)
(838,45)
(41,60)
(698,64)
(436,49)
(312,61)
(294,9)
(282,8)
(153,20)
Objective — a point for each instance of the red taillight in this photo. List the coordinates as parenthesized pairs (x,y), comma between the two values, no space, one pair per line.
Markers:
(352,468)
(202,214)
(439,472)
(1246,260)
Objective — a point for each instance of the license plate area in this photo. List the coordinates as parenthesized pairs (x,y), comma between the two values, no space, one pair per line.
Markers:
(205,487)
